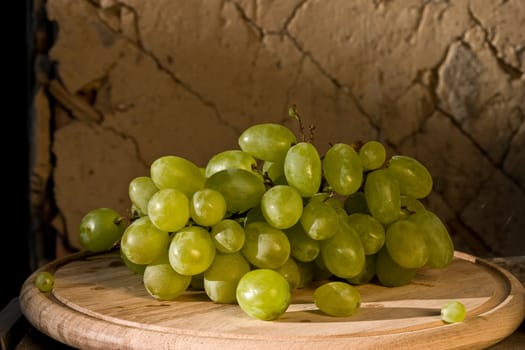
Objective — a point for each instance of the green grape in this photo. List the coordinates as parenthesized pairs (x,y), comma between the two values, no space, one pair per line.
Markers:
(282,206)
(241,189)
(306,273)
(302,247)
(222,277)
(389,273)
(337,299)
(267,141)
(356,203)
(367,273)
(453,311)
(334,202)
(321,272)
(44,281)
(319,220)
(228,236)
(406,244)
(342,169)
(382,196)
(372,154)
(411,204)
(290,272)
(230,159)
(413,177)
(100,229)
(169,210)
(135,268)
(274,170)
(370,231)
(162,282)
(263,294)
(143,242)
(265,246)
(191,251)
(302,169)
(343,253)
(254,215)
(207,207)
(178,173)
(140,190)
(439,242)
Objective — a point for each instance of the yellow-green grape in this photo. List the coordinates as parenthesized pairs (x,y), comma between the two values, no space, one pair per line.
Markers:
(140,190)
(228,236)
(302,247)
(382,196)
(319,220)
(191,251)
(411,205)
(439,242)
(406,244)
(169,209)
(254,215)
(413,177)
(453,311)
(207,207)
(222,277)
(337,298)
(44,281)
(267,141)
(178,173)
(100,229)
(306,273)
(356,203)
(274,170)
(370,231)
(136,268)
(372,154)
(367,273)
(231,183)
(321,272)
(230,159)
(302,168)
(342,169)
(265,246)
(389,273)
(263,294)
(143,242)
(162,282)
(282,206)
(290,272)
(343,253)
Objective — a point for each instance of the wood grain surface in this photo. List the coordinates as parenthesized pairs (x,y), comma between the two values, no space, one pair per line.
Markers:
(97,303)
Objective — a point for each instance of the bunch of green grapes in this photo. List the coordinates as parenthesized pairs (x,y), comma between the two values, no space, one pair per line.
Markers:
(273,215)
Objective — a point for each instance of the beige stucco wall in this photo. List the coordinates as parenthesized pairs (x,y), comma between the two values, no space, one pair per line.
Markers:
(438,80)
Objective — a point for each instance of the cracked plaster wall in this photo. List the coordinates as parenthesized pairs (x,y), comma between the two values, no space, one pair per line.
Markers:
(441,81)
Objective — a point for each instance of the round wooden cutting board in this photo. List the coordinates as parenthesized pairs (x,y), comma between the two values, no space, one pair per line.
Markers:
(98,303)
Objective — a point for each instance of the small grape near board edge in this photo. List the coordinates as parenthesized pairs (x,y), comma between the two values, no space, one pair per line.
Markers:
(272,216)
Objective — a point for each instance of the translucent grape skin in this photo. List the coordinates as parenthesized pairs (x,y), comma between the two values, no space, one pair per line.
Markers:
(228,236)
(222,277)
(372,155)
(162,282)
(140,190)
(383,196)
(290,271)
(231,182)
(406,244)
(413,177)
(169,209)
(342,169)
(389,273)
(207,207)
(142,242)
(337,298)
(302,247)
(265,246)
(367,273)
(370,231)
(282,206)
(453,311)
(229,159)
(191,251)
(44,281)
(178,173)
(100,229)
(263,294)
(267,141)
(303,169)
(319,220)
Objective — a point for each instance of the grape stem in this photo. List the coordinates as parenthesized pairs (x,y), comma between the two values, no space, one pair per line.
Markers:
(292,112)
